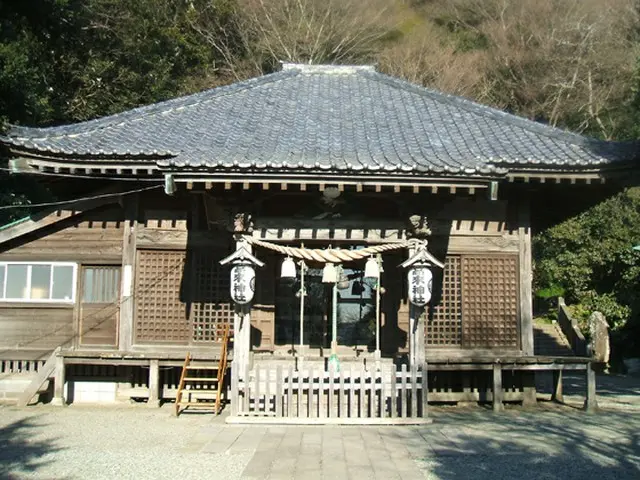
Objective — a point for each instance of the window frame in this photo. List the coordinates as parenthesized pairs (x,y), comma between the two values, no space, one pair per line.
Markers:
(118,290)
(74,282)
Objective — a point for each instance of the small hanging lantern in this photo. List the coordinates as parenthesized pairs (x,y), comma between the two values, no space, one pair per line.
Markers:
(372,269)
(243,274)
(288,269)
(420,276)
(329,273)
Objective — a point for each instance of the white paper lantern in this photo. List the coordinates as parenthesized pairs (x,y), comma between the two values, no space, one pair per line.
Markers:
(420,281)
(243,283)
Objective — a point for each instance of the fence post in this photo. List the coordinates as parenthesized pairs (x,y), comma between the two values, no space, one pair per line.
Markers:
(403,391)
(290,391)
(279,388)
(246,399)
(414,391)
(425,391)
(394,392)
(331,393)
(234,391)
(310,394)
(342,397)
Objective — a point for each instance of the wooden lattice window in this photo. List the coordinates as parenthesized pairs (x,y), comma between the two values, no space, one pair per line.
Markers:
(444,325)
(490,301)
(160,314)
(212,306)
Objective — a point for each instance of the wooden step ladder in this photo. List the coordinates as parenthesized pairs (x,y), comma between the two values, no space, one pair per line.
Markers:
(201,385)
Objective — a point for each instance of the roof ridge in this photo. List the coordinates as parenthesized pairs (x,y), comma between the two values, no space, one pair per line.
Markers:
(145,111)
(487,111)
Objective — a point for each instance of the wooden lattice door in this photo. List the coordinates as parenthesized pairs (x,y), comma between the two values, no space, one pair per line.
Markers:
(211,305)
(490,301)
(161,317)
(444,322)
(182,297)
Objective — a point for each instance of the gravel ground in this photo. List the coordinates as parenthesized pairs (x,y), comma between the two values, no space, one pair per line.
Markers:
(109,442)
(545,442)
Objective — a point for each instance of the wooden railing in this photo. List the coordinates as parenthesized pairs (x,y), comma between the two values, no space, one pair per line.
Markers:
(20,366)
(318,395)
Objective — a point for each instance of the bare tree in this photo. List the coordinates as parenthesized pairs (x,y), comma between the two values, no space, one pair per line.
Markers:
(300,31)
(570,62)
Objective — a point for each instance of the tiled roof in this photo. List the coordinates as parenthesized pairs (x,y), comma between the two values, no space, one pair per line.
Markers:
(323,118)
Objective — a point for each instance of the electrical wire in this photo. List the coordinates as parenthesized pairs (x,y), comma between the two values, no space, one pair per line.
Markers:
(73,175)
(81,199)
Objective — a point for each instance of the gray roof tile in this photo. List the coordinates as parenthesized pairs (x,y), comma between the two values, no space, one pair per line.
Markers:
(323,118)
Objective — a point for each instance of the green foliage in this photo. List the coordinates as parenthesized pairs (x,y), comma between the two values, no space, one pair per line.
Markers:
(590,258)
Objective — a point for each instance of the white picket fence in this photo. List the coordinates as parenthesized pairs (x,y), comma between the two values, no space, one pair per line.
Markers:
(314,395)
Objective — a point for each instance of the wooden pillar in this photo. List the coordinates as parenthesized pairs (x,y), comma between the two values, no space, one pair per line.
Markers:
(557,394)
(242,339)
(154,384)
(529,398)
(242,330)
(425,390)
(497,388)
(416,337)
(591,403)
(526,276)
(127,304)
(58,382)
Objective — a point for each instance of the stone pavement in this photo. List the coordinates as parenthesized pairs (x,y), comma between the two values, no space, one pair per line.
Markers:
(548,442)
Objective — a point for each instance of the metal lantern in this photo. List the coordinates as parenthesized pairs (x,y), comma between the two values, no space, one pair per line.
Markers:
(288,269)
(420,281)
(243,274)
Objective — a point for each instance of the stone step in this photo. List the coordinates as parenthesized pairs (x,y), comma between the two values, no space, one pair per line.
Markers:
(550,341)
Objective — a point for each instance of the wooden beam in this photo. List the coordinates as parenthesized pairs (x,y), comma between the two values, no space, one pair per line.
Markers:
(154,384)
(557,394)
(127,303)
(50,217)
(498,392)
(58,382)
(590,403)
(526,276)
